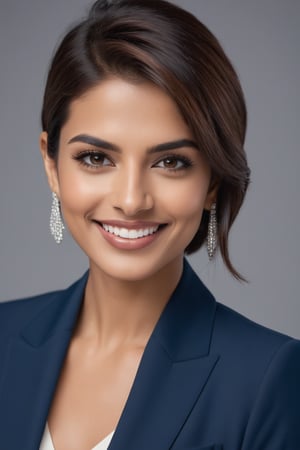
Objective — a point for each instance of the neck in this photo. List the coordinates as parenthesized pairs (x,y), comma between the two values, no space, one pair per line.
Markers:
(118,312)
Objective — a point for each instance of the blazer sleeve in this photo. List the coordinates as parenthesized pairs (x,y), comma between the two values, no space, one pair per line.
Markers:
(274,422)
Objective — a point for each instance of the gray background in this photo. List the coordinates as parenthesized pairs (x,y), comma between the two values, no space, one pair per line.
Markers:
(262,39)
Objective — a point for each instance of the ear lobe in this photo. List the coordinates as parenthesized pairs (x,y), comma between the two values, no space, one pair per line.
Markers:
(49,164)
(211,194)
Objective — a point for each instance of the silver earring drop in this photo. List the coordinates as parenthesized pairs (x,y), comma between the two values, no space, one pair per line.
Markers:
(56,223)
(212,232)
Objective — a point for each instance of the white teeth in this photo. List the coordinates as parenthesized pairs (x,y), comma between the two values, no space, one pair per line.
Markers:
(124,233)
(133,234)
(129,234)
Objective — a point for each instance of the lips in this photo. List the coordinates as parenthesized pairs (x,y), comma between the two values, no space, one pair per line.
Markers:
(129,235)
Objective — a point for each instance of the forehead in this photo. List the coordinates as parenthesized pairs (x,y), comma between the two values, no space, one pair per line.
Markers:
(116,107)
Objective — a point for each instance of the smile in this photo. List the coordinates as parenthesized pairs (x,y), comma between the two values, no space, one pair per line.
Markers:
(126,233)
(130,235)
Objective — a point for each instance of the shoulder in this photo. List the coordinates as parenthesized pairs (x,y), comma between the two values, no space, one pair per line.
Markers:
(247,350)
(232,335)
(258,359)
(252,344)
(260,368)
(234,329)
(14,314)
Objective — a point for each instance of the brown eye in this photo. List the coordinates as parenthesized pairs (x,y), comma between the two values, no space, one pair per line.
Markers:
(170,163)
(174,163)
(96,159)
(93,159)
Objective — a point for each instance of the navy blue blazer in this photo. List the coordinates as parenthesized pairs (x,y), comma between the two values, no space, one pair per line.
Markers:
(209,378)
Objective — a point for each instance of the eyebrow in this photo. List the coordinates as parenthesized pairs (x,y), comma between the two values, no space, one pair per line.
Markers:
(96,142)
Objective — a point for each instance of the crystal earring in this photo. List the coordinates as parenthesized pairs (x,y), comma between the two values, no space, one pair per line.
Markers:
(56,223)
(212,232)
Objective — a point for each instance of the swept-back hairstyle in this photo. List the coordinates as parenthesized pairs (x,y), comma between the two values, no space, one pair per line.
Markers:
(157,41)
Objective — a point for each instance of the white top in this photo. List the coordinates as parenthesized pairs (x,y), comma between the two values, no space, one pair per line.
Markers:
(47,444)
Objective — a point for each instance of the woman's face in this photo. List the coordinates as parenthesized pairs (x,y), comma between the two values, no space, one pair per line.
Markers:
(131,181)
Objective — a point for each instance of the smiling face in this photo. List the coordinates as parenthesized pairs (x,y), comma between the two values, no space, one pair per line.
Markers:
(131,181)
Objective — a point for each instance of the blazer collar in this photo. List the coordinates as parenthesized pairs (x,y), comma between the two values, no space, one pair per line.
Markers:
(173,371)
(185,326)
(190,311)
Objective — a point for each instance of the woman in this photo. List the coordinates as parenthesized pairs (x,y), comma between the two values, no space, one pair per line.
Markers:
(143,130)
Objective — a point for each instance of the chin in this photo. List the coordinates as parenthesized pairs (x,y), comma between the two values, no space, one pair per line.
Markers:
(134,269)
(128,273)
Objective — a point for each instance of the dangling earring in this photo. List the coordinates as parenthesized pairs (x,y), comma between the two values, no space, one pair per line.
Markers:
(56,223)
(212,232)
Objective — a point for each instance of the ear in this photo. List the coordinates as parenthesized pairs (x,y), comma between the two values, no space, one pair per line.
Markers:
(49,163)
(211,194)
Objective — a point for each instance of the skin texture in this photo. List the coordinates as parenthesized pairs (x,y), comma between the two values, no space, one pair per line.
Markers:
(127,287)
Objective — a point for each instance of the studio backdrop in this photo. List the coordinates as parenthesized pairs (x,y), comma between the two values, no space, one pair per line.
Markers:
(262,39)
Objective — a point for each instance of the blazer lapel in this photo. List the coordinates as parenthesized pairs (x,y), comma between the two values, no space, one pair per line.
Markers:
(33,365)
(173,372)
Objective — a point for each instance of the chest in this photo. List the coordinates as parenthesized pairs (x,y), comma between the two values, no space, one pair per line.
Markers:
(90,396)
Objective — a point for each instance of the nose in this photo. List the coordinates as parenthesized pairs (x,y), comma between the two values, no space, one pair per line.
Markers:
(132,192)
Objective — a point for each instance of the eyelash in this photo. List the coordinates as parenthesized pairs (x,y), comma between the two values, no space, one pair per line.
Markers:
(184,160)
(80,157)
(88,153)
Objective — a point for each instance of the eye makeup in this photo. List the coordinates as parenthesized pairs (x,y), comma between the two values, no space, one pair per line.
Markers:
(94,159)
(174,162)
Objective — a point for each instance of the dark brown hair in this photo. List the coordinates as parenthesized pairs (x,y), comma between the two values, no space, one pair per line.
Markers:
(166,45)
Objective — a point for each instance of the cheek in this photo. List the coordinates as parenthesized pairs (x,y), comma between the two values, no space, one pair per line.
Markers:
(80,191)
(185,201)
